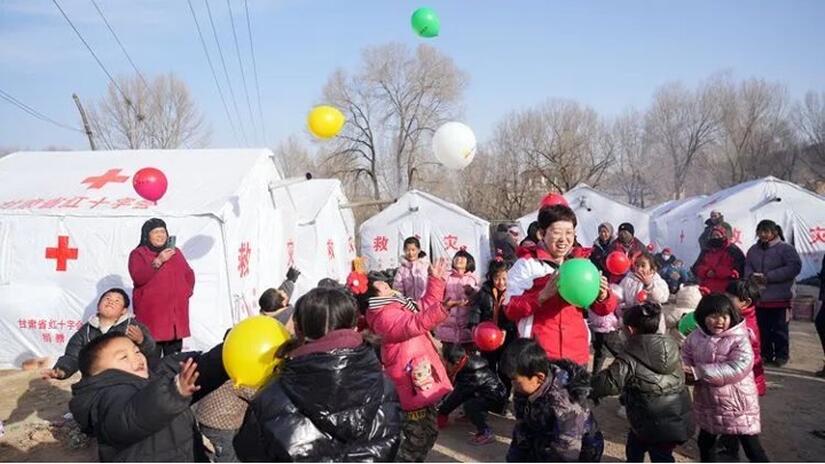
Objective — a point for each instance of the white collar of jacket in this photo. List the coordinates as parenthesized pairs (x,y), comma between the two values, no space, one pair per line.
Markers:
(95,322)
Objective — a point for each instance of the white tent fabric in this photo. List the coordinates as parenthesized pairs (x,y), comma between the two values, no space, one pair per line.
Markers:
(666,218)
(81,205)
(593,208)
(324,244)
(799,212)
(442,227)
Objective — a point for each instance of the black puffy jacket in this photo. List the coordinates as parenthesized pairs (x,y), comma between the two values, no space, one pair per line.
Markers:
(146,420)
(475,380)
(648,374)
(326,406)
(486,305)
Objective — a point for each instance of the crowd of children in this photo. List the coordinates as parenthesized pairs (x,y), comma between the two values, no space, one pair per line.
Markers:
(373,372)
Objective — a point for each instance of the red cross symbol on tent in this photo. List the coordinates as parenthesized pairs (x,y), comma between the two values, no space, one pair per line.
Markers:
(62,253)
(112,175)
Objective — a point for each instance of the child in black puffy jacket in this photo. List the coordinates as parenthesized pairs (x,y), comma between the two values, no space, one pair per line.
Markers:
(476,387)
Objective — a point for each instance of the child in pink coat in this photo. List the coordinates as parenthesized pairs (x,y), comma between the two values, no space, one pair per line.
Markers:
(462,285)
(411,276)
(718,357)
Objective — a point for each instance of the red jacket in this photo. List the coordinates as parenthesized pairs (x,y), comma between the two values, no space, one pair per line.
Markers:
(749,314)
(727,264)
(559,327)
(161,297)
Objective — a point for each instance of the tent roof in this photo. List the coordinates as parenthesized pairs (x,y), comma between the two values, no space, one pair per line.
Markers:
(584,188)
(91,183)
(413,197)
(309,197)
(766,186)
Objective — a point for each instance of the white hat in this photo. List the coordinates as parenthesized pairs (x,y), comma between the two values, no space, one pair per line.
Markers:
(688,298)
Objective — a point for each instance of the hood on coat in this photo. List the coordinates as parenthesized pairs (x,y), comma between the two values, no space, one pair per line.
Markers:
(87,393)
(688,298)
(340,391)
(659,353)
(94,321)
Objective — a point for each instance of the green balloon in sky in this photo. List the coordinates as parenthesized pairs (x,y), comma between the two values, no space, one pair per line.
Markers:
(425,22)
(579,282)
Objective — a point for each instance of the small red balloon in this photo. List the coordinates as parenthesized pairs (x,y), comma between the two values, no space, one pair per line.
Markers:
(651,247)
(641,297)
(617,263)
(552,199)
(488,337)
(150,183)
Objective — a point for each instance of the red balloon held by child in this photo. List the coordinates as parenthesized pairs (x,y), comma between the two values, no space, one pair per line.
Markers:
(641,297)
(552,199)
(617,263)
(488,337)
(150,183)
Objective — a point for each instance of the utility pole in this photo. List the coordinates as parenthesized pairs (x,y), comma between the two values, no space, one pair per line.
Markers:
(85,121)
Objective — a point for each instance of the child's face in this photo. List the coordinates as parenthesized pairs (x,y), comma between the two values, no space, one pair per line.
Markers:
(111,306)
(528,385)
(500,281)
(604,234)
(460,263)
(559,238)
(642,266)
(122,354)
(411,252)
(717,323)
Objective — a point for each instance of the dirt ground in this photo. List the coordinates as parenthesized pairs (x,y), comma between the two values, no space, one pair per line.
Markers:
(35,429)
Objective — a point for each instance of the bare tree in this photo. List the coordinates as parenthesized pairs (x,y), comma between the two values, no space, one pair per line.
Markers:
(293,159)
(157,114)
(393,105)
(682,124)
(809,119)
(635,163)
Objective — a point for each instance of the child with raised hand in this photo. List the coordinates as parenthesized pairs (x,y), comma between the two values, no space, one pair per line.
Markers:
(648,375)
(138,415)
(476,387)
(411,276)
(719,358)
(409,355)
(112,317)
(462,285)
(556,424)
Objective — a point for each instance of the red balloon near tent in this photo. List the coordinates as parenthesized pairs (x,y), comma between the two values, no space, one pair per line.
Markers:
(488,337)
(150,183)
(552,199)
(617,263)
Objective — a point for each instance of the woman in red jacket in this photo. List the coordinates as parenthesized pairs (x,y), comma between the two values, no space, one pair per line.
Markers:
(534,302)
(720,263)
(163,284)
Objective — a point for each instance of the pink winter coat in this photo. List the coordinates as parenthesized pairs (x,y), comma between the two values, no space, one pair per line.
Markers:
(411,278)
(725,399)
(627,293)
(455,329)
(161,296)
(407,348)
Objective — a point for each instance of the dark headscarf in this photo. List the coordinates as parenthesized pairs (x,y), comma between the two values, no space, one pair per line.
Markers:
(149,226)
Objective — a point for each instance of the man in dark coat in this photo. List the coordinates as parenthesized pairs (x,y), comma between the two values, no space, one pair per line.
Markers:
(715,219)
(137,416)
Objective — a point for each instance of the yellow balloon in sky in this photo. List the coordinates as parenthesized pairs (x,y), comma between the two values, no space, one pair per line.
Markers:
(249,350)
(325,121)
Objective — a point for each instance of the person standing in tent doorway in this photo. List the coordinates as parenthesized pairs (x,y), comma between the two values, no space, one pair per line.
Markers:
(163,284)
(601,246)
(629,245)
(715,219)
(773,264)
(411,276)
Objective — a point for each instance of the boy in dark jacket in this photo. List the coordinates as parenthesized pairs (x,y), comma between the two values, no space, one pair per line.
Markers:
(112,317)
(476,387)
(138,416)
(649,377)
(555,424)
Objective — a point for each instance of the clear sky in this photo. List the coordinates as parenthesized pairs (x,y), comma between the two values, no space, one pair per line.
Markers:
(608,54)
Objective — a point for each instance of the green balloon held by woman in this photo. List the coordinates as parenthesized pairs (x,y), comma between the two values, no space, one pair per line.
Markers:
(425,23)
(579,282)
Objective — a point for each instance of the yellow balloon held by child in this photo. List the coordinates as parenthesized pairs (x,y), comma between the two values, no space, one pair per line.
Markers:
(249,350)
(325,121)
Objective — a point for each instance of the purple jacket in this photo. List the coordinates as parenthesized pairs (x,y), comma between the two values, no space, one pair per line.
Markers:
(725,398)
(456,328)
(780,263)
(411,278)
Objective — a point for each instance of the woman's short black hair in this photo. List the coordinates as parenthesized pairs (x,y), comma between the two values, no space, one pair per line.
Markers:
(323,310)
(766,225)
(644,318)
(744,289)
(716,303)
(120,292)
(271,300)
(495,266)
(524,357)
(533,231)
(417,243)
(549,215)
(89,354)
(471,262)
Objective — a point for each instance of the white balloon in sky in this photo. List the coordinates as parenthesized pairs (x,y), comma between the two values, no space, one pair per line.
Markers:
(454,145)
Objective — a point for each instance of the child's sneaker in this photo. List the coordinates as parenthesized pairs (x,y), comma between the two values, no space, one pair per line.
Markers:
(483,438)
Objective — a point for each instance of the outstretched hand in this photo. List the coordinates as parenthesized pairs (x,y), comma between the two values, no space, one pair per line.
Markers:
(438,269)
(187,377)
(55,373)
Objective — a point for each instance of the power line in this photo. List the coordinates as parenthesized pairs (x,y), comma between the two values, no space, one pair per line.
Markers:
(122,48)
(212,68)
(240,65)
(33,112)
(99,63)
(255,71)
(225,72)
